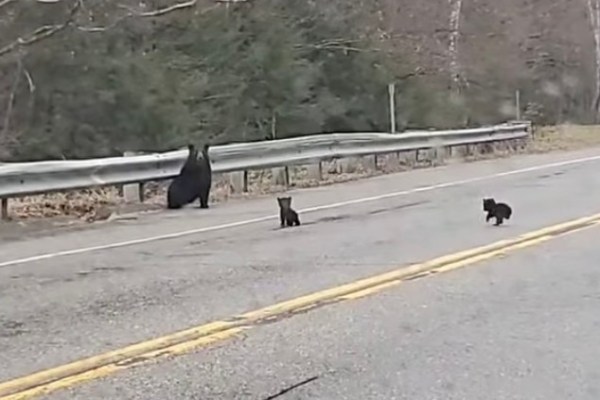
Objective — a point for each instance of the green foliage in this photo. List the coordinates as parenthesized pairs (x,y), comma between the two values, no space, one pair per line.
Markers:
(252,71)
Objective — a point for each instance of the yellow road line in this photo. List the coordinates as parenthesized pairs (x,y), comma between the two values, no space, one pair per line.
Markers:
(110,369)
(184,341)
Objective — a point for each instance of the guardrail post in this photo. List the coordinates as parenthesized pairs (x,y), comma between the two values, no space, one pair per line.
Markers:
(469,151)
(314,172)
(133,192)
(447,151)
(281,176)
(438,156)
(141,192)
(238,181)
(4,209)
(391,161)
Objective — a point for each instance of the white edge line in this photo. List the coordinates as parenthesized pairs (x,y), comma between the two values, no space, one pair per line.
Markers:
(306,210)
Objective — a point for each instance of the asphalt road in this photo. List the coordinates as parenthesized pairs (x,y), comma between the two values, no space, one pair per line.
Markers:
(524,327)
(521,327)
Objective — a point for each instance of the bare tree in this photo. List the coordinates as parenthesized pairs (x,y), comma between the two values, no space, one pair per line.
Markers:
(7,137)
(455,69)
(47,31)
(594,13)
(42,32)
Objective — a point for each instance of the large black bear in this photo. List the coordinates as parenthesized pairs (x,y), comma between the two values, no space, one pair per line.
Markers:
(193,181)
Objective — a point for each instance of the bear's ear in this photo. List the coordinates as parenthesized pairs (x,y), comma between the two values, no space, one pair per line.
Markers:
(193,151)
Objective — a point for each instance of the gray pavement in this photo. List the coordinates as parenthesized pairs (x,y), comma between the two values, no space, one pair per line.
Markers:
(524,327)
(57,310)
(166,222)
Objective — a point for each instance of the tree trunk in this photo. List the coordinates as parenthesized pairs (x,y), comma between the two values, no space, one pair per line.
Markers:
(455,70)
(594,11)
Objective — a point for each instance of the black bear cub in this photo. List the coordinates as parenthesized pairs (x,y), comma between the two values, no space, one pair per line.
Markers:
(500,211)
(287,216)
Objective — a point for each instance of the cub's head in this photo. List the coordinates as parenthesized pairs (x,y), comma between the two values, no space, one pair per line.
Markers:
(488,204)
(284,202)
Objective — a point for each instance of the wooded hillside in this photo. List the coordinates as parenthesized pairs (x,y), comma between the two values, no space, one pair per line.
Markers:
(82,78)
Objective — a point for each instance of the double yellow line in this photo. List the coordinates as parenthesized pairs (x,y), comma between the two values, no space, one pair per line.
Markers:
(67,375)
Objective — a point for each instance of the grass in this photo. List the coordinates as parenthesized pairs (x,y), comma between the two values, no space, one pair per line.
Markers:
(564,137)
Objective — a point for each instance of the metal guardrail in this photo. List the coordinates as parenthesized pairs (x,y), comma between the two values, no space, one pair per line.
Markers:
(19,179)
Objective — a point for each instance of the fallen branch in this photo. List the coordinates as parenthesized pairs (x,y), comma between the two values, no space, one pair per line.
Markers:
(162,11)
(131,13)
(292,387)
(417,72)
(335,46)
